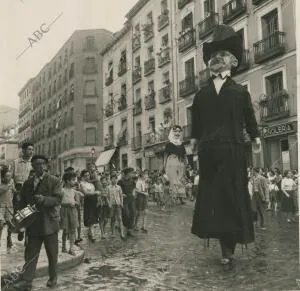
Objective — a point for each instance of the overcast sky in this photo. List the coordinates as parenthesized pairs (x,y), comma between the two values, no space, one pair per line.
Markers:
(19,20)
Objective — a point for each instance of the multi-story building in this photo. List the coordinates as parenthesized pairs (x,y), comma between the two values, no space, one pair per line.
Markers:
(67,101)
(9,151)
(25,112)
(148,38)
(268,68)
(167,70)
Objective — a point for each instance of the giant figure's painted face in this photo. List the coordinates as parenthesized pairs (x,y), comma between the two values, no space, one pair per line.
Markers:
(222,61)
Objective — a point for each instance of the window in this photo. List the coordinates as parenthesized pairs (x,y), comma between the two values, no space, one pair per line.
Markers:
(274,83)
(151,87)
(149,18)
(138,94)
(72,139)
(269,23)
(65,118)
(65,142)
(241,33)
(164,6)
(123,90)
(90,112)
(72,49)
(189,68)
(123,56)
(111,133)
(209,7)
(59,82)
(187,22)
(43,149)
(90,88)
(65,76)
(137,29)
(49,74)
(110,69)
(90,65)
(137,61)
(90,42)
(124,161)
(59,145)
(72,92)
(90,136)
(71,72)
(189,115)
(166,79)
(66,55)
(150,52)
(152,123)
(54,148)
(72,115)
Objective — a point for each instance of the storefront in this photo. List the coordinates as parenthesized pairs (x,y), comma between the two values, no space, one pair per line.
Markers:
(280,146)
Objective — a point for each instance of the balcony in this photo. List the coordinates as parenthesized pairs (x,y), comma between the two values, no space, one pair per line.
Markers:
(109,80)
(136,74)
(186,132)
(182,3)
(269,47)
(149,66)
(148,31)
(137,110)
(122,68)
(187,39)
(275,106)
(136,42)
(245,63)
(150,101)
(204,75)
(122,103)
(207,25)
(187,86)
(152,138)
(164,94)
(257,2)
(24,111)
(109,111)
(136,142)
(233,9)
(163,20)
(163,56)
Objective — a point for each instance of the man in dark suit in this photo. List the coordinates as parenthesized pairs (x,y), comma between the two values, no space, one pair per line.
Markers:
(43,190)
(220,112)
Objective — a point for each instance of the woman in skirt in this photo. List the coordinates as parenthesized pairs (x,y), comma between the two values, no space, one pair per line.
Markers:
(288,188)
(90,215)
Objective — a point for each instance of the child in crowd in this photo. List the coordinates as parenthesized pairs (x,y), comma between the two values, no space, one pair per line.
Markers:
(141,202)
(288,188)
(68,211)
(273,189)
(115,200)
(103,206)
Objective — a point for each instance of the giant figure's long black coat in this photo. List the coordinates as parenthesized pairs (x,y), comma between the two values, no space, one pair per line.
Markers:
(223,202)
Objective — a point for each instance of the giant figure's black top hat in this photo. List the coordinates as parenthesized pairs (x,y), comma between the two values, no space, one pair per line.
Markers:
(224,39)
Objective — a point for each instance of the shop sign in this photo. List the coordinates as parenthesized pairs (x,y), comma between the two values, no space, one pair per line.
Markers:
(279,129)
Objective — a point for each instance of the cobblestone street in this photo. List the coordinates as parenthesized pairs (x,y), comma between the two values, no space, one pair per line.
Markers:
(170,258)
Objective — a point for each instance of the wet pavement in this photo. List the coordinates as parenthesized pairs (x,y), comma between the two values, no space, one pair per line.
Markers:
(169,257)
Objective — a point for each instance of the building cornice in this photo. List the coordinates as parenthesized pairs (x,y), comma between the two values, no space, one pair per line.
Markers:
(136,8)
(25,86)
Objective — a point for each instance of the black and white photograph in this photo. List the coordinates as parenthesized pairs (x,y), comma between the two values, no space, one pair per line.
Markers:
(149,145)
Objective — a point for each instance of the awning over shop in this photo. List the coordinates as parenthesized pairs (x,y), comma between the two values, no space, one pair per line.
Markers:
(105,157)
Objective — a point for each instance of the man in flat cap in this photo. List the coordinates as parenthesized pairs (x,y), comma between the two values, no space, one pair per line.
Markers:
(44,191)
(220,112)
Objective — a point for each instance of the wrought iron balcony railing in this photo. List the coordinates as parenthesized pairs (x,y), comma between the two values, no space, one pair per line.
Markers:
(122,68)
(164,94)
(136,42)
(233,9)
(187,86)
(164,57)
(187,39)
(207,25)
(163,20)
(269,47)
(136,75)
(275,106)
(122,103)
(148,31)
(150,101)
(149,66)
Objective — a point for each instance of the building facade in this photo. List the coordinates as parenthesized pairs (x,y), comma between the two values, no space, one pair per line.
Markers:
(167,70)
(25,112)
(9,151)
(67,100)
(268,68)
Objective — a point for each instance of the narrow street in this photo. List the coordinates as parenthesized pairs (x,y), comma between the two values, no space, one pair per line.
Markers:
(169,257)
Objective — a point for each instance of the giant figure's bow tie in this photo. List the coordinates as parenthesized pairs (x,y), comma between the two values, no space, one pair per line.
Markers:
(214,76)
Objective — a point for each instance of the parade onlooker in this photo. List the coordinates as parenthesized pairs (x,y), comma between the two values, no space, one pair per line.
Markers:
(288,187)
(6,204)
(273,190)
(45,192)
(115,198)
(141,202)
(90,215)
(103,206)
(68,211)
(129,204)
(195,185)
(259,189)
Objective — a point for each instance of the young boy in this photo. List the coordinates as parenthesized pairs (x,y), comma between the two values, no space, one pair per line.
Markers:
(103,206)
(141,202)
(115,198)
(68,211)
